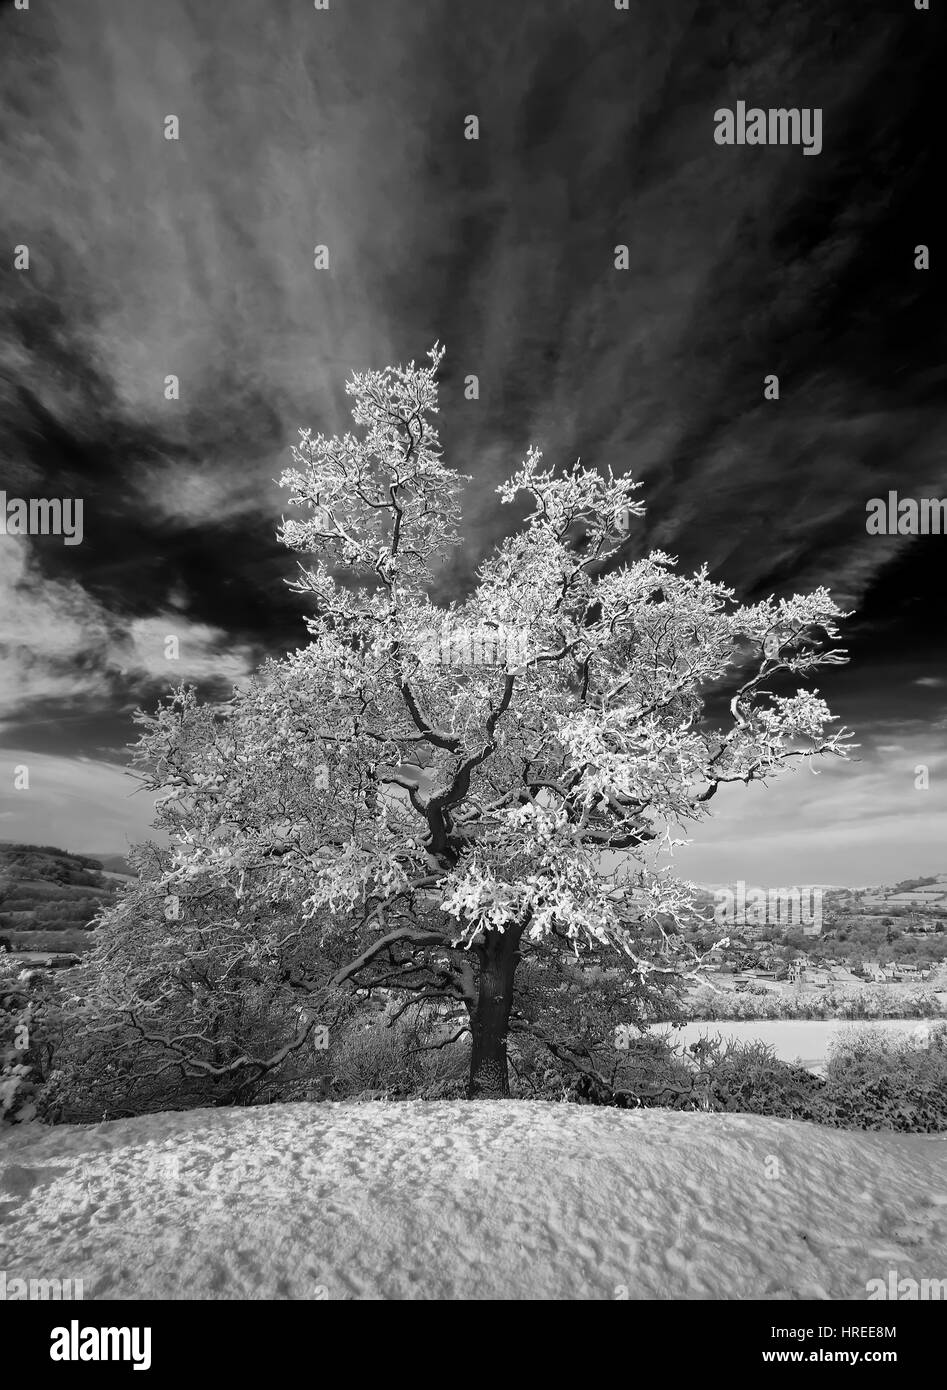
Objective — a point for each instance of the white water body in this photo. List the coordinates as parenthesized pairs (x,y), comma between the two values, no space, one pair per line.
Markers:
(793,1039)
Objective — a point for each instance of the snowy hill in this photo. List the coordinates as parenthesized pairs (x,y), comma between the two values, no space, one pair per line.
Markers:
(458,1200)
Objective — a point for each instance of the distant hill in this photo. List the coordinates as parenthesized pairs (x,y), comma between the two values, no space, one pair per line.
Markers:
(115,864)
(914,893)
(925,889)
(49,897)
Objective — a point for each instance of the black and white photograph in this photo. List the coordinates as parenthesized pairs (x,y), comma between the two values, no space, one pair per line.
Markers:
(473,677)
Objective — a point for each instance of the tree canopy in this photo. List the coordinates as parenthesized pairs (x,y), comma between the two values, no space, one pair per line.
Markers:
(423,793)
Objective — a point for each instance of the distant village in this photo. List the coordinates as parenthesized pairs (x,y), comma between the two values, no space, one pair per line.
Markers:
(879,935)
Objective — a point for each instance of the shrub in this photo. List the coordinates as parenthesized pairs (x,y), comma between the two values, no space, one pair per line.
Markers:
(874,1081)
(749,1077)
(27,1013)
(649,1072)
(397,1059)
(879,1080)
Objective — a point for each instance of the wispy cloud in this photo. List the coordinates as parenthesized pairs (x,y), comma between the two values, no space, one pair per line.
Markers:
(298,127)
(60,649)
(869,821)
(81,804)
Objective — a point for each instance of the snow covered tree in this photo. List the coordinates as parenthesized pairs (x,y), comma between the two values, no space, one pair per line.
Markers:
(437,791)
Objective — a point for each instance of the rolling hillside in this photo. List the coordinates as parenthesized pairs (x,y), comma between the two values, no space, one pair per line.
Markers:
(48,897)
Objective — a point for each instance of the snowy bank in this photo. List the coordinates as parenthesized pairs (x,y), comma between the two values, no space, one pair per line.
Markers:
(465,1201)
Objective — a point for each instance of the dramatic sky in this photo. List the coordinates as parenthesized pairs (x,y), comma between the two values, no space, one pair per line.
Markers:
(346,128)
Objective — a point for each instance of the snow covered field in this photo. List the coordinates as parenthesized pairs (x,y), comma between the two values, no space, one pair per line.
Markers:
(458,1200)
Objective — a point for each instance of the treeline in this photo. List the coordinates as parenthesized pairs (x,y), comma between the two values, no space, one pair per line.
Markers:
(855,941)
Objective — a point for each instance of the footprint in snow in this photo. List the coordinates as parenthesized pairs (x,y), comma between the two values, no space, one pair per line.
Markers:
(923,1221)
(19,1181)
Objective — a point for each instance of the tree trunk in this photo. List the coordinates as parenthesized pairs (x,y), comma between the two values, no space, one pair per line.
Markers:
(489,1076)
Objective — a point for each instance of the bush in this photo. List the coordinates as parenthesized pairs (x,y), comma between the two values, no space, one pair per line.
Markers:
(28,1009)
(873,1082)
(749,1077)
(370,1056)
(395,1059)
(879,1080)
(649,1072)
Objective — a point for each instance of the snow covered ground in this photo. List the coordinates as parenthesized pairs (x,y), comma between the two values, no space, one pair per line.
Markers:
(458,1200)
